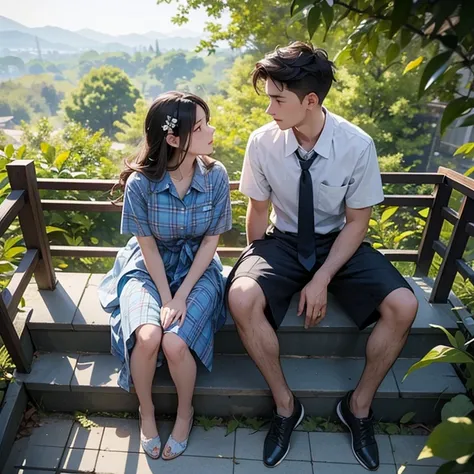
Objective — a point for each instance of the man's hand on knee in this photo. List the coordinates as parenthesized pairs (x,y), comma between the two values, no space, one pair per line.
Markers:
(314,296)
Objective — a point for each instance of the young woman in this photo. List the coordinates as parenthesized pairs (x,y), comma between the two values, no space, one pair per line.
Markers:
(166,289)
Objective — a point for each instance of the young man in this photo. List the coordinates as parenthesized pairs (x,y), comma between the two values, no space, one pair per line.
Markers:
(321,175)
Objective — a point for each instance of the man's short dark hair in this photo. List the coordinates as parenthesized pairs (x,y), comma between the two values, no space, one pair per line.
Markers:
(300,67)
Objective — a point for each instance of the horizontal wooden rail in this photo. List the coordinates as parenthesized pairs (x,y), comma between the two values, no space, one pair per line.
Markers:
(108,206)
(232,252)
(465,270)
(98,252)
(13,293)
(82,206)
(412,178)
(470,229)
(439,248)
(450,215)
(105,185)
(400,255)
(459,182)
(408,201)
(10,208)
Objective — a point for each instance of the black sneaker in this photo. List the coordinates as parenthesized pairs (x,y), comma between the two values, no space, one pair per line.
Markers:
(364,446)
(277,441)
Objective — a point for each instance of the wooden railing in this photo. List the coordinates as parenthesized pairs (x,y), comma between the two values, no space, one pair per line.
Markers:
(24,202)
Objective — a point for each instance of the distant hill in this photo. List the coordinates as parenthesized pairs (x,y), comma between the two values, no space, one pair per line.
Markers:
(17,40)
(15,36)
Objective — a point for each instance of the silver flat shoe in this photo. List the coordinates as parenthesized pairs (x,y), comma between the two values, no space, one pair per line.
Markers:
(173,448)
(151,446)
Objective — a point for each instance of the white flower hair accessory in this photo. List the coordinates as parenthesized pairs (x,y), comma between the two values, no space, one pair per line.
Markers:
(170,123)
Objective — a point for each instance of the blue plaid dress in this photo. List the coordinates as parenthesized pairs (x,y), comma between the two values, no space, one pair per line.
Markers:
(154,208)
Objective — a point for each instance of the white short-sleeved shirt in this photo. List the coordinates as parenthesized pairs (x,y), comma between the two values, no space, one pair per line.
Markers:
(346,173)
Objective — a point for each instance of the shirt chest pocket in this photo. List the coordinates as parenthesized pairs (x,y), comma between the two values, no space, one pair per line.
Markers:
(331,198)
(200,216)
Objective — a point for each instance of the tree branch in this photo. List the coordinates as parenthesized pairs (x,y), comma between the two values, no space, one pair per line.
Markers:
(412,28)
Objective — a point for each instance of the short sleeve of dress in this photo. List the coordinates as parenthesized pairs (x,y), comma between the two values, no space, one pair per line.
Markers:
(135,209)
(222,212)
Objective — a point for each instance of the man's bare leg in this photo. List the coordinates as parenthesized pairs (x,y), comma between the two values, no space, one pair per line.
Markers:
(398,311)
(247,303)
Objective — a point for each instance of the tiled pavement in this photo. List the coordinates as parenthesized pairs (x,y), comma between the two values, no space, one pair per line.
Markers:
(60,445)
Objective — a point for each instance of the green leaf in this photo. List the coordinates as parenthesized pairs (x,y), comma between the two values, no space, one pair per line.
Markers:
(441,11)
(413,64)
(403,235)
(433,70)
(460,405)
(328,15)
(450,440)
(388,213)
(460,339)
(372,222)
(314,17)
(254,423)
(232,426)
(450,337)
(374,44)
(208,423)
(392,429)
(9,150)
(466,19)
(441,354)
(50,229)
(61,159)
(465,149)
(468,121)
(13,252)
(469,171)
(20,152)
(299,5)
(377,245)
(400,14)
(94,240)
(6,267)
(407,417)
(392,52)
(424,212)
(405,38)
(455,109)
(11,241)
(44,148)
(452,467)
(343,55)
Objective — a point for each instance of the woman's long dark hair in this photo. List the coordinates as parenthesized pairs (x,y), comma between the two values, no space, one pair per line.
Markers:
(154,156)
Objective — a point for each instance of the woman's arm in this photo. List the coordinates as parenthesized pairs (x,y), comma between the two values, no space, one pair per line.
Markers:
(155,267)
(203,258)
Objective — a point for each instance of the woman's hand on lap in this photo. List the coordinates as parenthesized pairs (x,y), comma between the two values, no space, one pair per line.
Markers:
(172,311)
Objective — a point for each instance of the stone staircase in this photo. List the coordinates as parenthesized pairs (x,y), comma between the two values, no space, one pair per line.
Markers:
(74,370)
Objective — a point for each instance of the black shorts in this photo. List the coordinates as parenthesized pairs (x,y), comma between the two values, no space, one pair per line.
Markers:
(360,285)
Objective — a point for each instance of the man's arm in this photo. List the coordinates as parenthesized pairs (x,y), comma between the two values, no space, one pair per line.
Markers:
(347,242)
(314,294)
(257,219)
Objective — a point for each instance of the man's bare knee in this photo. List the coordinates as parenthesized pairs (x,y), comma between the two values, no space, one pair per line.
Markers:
(245,298)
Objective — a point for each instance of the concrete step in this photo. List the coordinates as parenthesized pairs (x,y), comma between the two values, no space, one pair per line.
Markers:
(71,319)
(68,382)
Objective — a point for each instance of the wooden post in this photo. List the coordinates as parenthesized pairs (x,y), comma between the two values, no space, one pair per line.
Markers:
(12,340)
(454,251)
(22,176)
(432,229)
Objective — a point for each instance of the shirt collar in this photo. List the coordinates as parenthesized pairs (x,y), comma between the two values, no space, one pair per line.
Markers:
(323,145)
(197,183)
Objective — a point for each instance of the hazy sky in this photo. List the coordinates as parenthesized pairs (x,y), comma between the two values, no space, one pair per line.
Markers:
(107,16)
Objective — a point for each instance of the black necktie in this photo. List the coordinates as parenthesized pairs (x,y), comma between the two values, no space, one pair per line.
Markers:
(306,247)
